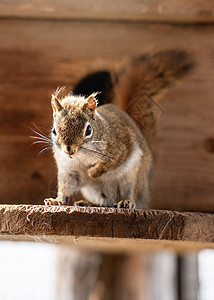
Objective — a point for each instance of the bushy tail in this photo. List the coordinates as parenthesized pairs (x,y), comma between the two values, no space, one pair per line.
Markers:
(141,83)
(151,73)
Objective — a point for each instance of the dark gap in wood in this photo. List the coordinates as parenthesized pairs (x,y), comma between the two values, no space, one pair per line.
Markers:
(179,281)
(168,22)
(96,82)
(209,145)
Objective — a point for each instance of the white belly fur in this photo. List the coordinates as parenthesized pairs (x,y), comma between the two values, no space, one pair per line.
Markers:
(108,182)
(121,176)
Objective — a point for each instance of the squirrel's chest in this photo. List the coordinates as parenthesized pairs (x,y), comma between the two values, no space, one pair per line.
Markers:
(66,164)
(109,188)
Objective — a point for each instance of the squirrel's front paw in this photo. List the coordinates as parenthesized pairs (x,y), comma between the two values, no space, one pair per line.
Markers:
(124,204)
(95,171)
(51,201)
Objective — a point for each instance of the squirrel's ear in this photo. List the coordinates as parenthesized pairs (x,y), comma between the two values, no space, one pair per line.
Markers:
(55,104)
(91,102)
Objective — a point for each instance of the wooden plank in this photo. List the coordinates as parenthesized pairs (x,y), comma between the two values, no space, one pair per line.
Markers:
(157,10)
(143,227)
(32,65)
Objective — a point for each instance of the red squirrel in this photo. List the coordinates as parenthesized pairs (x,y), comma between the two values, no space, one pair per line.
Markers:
(102,151)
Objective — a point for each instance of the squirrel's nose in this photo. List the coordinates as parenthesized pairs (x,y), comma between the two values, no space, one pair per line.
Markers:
(70,150)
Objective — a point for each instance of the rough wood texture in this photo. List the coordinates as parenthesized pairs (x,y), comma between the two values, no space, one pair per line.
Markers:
(147,10)
(62,223)
(32,65)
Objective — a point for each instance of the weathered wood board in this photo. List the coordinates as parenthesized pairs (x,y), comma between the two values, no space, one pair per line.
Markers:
(37,56)
(146,10)
(123,229)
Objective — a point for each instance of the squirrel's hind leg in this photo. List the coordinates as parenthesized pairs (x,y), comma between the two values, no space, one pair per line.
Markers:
(84,203)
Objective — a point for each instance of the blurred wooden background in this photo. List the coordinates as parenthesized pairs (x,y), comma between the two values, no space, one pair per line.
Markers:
(52,43)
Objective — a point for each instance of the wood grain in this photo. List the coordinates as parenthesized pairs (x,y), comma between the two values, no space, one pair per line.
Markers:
(38,56)
(140,226)
(135,10)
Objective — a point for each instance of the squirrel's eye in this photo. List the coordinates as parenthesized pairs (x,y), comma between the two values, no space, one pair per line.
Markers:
(88,131)
(54,131)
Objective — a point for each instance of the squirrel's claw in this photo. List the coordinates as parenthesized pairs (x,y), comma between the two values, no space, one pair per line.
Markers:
(124,204)
(51,201)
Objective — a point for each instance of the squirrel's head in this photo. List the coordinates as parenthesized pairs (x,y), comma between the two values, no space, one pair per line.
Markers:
(73,120)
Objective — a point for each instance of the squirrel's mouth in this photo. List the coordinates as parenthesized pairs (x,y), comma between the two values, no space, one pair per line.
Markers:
(70,151)
(71,155)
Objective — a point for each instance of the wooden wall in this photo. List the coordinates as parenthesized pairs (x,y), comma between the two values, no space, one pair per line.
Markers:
(37,55)
(172,11)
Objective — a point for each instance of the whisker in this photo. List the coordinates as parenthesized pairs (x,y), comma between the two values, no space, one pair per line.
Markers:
(97,142)
(39,134)
(39,131)
(92,155)
(98,153)
(35,137)
(39,128)
(40,139)
(87,154)
(42,151)
(40,142)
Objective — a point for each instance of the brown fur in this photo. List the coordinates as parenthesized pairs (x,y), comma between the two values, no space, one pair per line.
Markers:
(141,83)
(112,164)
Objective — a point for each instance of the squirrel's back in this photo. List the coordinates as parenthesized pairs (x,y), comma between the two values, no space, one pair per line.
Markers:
(117,119)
